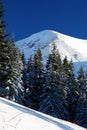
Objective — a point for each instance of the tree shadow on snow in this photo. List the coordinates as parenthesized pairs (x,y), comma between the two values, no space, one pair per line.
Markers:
(36,114)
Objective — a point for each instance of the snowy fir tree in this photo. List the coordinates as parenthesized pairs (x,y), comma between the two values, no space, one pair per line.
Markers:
(72,92)
(52,96)
(24,71)
(18,84)
(81,77)
(81,113)
(15,79)
(5,61)
(66,66)
(35,78)
(10,64)
(27,81)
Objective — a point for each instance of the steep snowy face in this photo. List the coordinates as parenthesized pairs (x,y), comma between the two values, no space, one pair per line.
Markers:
(75,43)
(73,48)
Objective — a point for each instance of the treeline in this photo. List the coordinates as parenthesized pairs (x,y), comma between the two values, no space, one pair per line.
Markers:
(51,88)
(54,89)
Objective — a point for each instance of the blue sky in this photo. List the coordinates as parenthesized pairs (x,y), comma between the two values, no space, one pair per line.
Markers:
(25,17)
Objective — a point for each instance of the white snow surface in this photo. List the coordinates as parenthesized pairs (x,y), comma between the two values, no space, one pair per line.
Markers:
(17,117)
(73,48)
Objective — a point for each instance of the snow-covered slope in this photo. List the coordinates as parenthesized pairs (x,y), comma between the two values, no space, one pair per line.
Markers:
(73,48)
(17,117)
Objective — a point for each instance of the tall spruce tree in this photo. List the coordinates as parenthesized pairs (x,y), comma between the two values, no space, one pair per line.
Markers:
(11,79)
(38,79)
(52,96)
(72,93)
(66,66)
(15,82)
(28,83)
(24,70)
(35,79)
(81,113)
(5,61)
(18,76)
(81,77)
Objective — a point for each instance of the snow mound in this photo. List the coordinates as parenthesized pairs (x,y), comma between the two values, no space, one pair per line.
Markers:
(17,117)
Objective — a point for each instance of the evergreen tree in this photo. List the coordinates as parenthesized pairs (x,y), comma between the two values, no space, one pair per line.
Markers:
(81,113)
(16,84)
(52,96)
(10,63)
(18,68)
(5,61)
(81,77)
(24,71)
(28,83)
(11,81)
(72,93)
(66,66)
(15,81)
(29,73)
(36,80)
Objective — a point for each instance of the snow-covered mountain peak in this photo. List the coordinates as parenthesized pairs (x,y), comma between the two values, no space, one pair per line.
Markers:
(73,48)
(43,37)
(46,37)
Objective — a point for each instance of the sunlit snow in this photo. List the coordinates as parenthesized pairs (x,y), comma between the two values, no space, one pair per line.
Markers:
(16,117)
(73,48)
